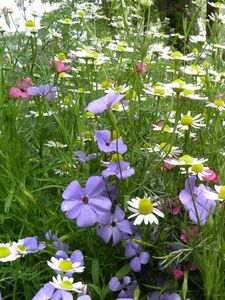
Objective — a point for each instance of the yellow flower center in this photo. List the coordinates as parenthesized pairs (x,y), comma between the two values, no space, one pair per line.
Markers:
(186,120)
(165,147)
(67,20)
(219,103)
(116,157)
(179,82)
(186,158)
(159,90)
(30,23)
(89,114)
(217,4)
(81,13)
(197,168)
(116,105)
(120,47)
(22,248)
(61,56)
(176,54)
(66,101)
(106,84)
(4,252)
(195,51)
(81,90)
(188,92)
(145,206)
(65,265)
(166,128)
(88,135)
(66,285)
(222,192)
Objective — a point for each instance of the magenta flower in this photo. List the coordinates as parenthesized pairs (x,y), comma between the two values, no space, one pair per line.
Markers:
(48,91)
(60,66)
(87,204)
(21,91)
(141,68)
(104,103)
(115,227)
(105,144)
(203,205)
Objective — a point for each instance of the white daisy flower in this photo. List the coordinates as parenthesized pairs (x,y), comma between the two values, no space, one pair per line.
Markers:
(160,90)
(185,160)
(219,104)
(65,265)
(166,149)
(67,284)
(177,55)
(144,210)
(197,170)
(187,121)
(8,252)
(217,4)
(218,195)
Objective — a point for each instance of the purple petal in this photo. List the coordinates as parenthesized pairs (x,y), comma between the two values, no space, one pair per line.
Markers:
(87,217)
(77,255)
(119,214)
(114,284)
(73,191)
(144,258)
(33,91)
(124,226)
(117,236)
(94,186)
(135,264)
(105,233)
(119,146)
(61,254)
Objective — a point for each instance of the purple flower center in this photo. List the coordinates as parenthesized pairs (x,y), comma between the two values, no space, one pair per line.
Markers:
(85,200)
(113,224)
(107,143)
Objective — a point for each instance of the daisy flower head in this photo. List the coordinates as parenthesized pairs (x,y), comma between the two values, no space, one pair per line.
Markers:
(8,252)
(166,149)
(218,104)
(185,160)
(144,210)
(187,121)
(65,283)
(65,265)
(197,170)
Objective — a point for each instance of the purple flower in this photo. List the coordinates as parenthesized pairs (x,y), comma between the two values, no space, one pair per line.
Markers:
(86,204)
(139,257)
(45,293)
(115,227)
(106,102)
(46,90)
(104,144)
(82,157)
(57,243)
(203,205)
(165,296)
(62,295)
(121,170)
(126,288)
(30,245)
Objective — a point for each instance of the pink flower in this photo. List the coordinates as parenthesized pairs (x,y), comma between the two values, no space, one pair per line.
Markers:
(178,274)
(175,209)
(212,177)
(60,66)
(141,68)
(21,91)
(167,165)
(193,233)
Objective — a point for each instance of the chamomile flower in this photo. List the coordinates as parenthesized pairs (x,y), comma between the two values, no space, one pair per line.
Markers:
(187,121)
(217,4)
(8,252)
(144,210)
(166,149)
(185,160)
(178,56)
(218,104)
(55,144)
(160,90)
(197,170)
(67,284)
(65,265)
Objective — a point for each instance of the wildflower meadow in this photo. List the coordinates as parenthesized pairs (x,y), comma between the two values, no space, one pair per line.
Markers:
(112,150)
